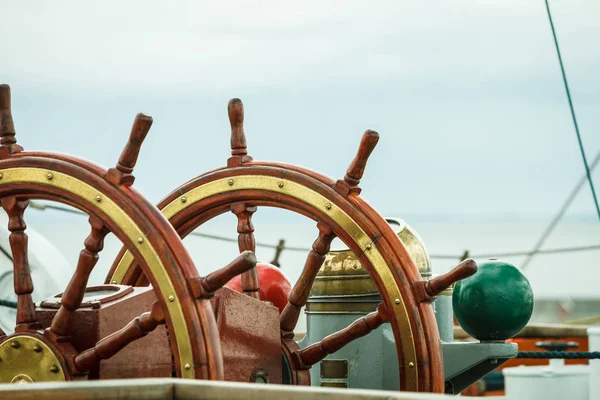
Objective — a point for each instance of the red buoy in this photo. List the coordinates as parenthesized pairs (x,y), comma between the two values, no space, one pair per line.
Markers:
(274,285)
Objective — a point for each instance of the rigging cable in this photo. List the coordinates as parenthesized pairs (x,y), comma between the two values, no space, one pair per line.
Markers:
(43,206)
(564,76)
(559,215)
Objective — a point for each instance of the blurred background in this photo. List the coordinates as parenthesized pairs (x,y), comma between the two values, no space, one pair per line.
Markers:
(477,152)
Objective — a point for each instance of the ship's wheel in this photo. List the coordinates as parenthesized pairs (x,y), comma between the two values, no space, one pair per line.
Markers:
(36,354)
(339,211)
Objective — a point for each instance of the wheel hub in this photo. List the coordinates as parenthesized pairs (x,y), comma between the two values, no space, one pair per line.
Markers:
(27,358)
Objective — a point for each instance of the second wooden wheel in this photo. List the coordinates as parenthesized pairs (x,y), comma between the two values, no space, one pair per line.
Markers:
(338,210)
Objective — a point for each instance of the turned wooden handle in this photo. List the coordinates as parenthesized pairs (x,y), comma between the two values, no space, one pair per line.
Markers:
(216,280)
(139,131)
(73,295)
(235,109)
(301,290)
(7,127)
(332,343)
(4,97)
(437,285)
(357,166)
(112,344)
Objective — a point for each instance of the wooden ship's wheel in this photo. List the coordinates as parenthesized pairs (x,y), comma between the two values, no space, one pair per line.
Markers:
(339,211)
(45,345)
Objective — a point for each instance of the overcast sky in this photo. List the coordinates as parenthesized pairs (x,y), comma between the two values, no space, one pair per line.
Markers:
(467,96)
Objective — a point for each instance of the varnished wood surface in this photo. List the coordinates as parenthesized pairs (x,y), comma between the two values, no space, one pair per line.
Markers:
(73,295)
(426,372)
(301,290)
(426,291)
(23,285)
(246,242)
(122,174)
(438,284)
(235,109)
(426,335)
(205,357)
(8,141)
(204,287)
(172,251)
(359,163)
(332,343)
(111,345)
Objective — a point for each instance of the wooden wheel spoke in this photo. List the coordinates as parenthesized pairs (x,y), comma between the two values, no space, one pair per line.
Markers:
(357,167)
(332,343)
(246,242)
(239,151)
(15,208)
(8,141)
(301,291)
(112,344)
(425,291)
(205,287)
(73,295)
(122,174)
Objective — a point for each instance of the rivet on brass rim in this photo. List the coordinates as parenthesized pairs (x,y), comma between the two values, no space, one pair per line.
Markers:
(411,364)
(37,348)
(171,298)
(397,301)
(54,369)
(114,282)
(98,198)
(140,240)
(1,176)
(328,206)
(230,182)
(183,199)
(187,366)
(368,246)
(280,184)
(15,344)
(49,176)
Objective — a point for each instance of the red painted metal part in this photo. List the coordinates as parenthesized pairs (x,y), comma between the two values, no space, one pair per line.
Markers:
(250,338)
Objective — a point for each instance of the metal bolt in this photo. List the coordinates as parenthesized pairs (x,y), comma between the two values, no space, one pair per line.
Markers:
(171,298)
(140,240)
(98,198)
(230,182)
(397,301)
(114,282)
(15,344)
(280,184)
(1,176)
(328,206)
(54,369)
(49,176)
(187,366)
(37,348)
(183,199)
(368,246)
(411,364)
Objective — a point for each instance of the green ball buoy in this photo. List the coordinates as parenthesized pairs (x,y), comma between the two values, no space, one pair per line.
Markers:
(495,303)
